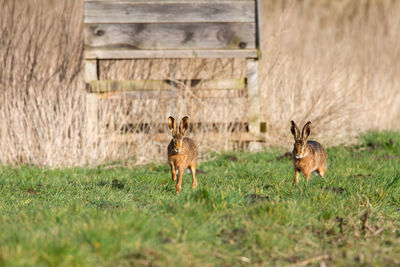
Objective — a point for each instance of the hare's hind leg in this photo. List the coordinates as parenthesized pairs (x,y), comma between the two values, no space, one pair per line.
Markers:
(296,178)
(307,176)
(321,171)
(193,170)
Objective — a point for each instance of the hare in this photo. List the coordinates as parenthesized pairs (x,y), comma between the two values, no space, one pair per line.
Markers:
(182,152)
(307,156)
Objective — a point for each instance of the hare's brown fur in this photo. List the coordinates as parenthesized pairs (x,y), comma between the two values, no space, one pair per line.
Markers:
(307,156)
(182,152)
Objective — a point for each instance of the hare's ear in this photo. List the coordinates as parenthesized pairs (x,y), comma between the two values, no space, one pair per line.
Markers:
(306,131)
(183,126)
(295,131)
(172,125)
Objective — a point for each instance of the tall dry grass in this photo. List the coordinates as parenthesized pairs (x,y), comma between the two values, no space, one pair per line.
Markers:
(41,114)
(335,63)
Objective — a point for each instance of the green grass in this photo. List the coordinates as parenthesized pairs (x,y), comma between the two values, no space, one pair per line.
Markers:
(245,210)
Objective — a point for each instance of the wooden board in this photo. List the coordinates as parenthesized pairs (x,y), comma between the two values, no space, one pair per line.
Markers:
(164,95)
(184,53)
(165,137)
(253,97)
(259,28)
(144,85)
(171,36)
(210,110)
(178,69)
(92,111)
(167,12)
(90,70)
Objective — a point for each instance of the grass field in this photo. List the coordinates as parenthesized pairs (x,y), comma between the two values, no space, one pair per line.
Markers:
(245,211)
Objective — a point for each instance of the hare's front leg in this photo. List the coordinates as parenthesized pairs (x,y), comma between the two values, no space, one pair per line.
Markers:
(179,181)
(193,170)
(173,173)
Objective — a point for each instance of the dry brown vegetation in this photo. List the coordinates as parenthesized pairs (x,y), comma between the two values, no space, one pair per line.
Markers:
(336,63)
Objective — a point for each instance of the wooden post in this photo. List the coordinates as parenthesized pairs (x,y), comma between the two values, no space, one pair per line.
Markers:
(253,99)
(92,100)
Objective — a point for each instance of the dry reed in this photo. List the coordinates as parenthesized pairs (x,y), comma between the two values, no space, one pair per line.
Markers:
(336,63)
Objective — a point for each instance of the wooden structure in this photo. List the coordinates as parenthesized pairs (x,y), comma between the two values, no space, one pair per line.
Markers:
(148,29)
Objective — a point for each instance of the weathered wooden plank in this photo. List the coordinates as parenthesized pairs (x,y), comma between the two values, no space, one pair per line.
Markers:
(259,27)
(92,113)
(238,84)
(165,137)
(128,85)
(162,95)
(225,93)
(92,107)
(184,53)
(253,100)
(145,85)
(154,110)
(171,36)
(166,12)
(90,70)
